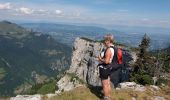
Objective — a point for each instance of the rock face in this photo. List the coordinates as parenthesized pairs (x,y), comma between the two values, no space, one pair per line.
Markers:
(83,64)
(67,83)
(27,97)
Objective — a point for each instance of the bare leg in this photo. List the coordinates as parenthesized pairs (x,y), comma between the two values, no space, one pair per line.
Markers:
(106,87)
(109,87)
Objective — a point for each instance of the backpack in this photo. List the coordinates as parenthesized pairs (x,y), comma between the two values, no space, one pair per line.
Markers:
(117,60)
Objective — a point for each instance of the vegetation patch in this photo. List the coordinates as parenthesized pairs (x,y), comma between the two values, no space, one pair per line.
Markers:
(75,78)
(48,87)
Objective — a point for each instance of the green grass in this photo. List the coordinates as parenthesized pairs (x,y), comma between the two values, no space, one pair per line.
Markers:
(121,98)
(80,93)
(83,93)
(47,88)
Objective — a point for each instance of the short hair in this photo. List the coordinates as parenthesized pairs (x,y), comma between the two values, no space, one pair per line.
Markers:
(108,37)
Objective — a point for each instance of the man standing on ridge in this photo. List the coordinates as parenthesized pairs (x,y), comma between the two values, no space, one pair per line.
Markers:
(104,67)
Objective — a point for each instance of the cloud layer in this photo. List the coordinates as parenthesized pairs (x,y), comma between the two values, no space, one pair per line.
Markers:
(80,14)
(24,10)
(5,6)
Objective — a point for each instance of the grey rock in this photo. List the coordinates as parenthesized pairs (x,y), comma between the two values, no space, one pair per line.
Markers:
(27,97)
(51,95)
(128,85)
(133,98)
(84,63)
(158,98)
(140,88)
(132,85)
(153,87)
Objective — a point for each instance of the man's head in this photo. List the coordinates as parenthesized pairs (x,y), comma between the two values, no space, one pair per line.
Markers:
(108,39)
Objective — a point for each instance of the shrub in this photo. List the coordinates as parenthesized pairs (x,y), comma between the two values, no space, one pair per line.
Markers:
(146,79)
(160,81)
(141,79)
(47,88)
(34,89)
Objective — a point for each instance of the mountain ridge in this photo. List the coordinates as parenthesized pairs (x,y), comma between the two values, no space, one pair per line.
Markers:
(25,54)
(72,31)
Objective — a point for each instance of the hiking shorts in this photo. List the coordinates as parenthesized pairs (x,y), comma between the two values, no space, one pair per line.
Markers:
(104,72)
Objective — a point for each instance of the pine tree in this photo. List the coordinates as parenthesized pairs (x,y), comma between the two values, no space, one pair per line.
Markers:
(143,60)
(144,64)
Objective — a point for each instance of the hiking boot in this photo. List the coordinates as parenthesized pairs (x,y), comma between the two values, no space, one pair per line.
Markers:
(106,98)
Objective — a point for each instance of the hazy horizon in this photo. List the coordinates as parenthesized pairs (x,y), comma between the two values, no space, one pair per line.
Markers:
(145,13)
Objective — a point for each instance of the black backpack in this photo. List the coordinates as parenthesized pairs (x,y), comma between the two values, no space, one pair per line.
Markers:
(117,60)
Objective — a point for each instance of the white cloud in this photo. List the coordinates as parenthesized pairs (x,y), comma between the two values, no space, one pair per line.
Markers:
(58,12)
(5,6)
(25,10)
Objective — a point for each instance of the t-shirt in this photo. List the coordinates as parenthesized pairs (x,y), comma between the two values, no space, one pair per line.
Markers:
(102,54)
(112,50)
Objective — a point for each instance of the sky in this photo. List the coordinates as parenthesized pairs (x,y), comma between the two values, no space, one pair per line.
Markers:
(150,13)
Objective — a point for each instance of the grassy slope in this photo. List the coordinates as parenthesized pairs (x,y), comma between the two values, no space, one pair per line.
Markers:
(82,93)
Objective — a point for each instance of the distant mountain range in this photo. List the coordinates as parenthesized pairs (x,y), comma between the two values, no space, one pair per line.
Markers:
(28,57)
(67,33)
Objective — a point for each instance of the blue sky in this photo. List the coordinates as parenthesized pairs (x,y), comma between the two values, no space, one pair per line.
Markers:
(151,13)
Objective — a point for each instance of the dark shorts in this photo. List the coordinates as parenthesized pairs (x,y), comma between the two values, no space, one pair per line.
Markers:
(104,72)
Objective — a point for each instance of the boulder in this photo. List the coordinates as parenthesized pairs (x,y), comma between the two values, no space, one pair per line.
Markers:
(154,88)
(128,85)
(132,85)
(27,97)
(140,88)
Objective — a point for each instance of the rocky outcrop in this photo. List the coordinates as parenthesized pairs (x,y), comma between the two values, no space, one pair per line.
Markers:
(83,64)
(67,83)
(27,97)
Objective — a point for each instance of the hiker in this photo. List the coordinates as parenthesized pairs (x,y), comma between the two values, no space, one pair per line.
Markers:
(104,68)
